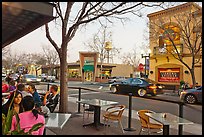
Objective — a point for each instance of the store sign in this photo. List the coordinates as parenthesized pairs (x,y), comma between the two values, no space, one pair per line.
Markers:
(168,74)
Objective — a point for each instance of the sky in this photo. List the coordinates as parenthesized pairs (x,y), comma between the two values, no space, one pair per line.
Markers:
(125,37)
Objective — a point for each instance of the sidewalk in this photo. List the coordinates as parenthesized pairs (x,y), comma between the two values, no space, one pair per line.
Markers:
(74,125)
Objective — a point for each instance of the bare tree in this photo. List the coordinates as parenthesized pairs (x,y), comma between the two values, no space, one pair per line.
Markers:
(132,58)
(79,14)
(180,35)
(51,57)
(98,43)
(9,59)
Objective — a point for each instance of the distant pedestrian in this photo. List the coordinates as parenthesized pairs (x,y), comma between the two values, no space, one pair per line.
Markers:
(8,78)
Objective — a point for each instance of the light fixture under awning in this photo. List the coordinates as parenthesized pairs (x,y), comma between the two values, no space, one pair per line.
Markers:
(21,18)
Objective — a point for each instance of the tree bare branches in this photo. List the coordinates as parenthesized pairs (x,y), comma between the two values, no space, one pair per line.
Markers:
(181,35)
(72,15)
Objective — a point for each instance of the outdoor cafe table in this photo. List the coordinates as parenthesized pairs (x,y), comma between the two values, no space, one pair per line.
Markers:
(56,120)
(97,104)
(170,119)
(5,94)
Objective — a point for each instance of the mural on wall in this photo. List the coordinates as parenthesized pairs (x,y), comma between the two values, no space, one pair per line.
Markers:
(169,75)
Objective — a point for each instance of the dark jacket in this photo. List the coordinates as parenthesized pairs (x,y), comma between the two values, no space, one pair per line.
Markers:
(52,101)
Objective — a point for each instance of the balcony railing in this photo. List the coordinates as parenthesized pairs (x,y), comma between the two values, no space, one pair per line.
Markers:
(168,50)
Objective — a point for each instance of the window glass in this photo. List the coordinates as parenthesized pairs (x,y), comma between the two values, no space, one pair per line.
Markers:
(137,81)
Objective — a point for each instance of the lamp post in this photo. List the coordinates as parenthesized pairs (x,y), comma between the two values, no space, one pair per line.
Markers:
(146,56)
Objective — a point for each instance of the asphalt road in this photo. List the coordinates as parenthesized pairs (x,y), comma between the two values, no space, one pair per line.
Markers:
(190,112)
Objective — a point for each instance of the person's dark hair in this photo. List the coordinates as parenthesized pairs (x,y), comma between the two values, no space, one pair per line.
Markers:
(13,95)
(32,86)
(55,87)
(20,87)
(28,104)
(12,82)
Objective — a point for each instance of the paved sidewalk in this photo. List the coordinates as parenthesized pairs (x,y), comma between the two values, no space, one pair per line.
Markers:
(74,125)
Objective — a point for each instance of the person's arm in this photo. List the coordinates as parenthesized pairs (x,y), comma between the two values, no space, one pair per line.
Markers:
(38,100)
(45,97)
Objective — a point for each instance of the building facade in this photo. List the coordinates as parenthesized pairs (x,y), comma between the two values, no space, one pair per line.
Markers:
(168,29)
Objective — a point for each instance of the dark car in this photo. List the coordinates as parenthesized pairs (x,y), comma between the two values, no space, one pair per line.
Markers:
(192,96)
(137,86)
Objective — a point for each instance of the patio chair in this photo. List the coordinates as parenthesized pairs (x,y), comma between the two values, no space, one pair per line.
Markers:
(146,124)
(87,110)
(114,113)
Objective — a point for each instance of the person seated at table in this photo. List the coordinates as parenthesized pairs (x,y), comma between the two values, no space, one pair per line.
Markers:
(29,117)
(51,98)
(4,87)
(16,104)
(12,86)
(31,89)
(21,87)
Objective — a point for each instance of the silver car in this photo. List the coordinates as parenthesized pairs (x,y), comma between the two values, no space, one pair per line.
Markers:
(28,78)
(192,96)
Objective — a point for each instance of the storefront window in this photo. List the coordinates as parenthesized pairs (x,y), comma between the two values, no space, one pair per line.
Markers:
(73,73)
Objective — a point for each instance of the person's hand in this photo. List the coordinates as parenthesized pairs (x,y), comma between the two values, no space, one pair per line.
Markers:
(47,93)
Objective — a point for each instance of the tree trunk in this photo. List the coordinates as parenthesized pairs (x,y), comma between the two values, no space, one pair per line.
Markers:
(63,107)
(193,77)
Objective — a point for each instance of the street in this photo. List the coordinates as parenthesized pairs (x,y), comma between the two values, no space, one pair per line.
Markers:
(190,112)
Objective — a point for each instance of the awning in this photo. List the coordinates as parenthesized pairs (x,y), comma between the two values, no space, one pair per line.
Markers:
(88,68)
(21,18)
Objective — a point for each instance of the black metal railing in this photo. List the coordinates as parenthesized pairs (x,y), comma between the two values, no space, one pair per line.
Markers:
(180,104)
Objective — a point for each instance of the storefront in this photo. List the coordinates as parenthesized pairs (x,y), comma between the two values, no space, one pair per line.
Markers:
(166,44)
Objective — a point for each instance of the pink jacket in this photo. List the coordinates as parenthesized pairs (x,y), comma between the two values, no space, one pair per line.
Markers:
(27,120)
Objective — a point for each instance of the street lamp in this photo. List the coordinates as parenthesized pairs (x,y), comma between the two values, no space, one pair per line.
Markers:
(146,56)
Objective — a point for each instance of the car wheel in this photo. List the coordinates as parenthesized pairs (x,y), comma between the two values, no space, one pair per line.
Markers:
(113,89)
(141,92)
(191,99)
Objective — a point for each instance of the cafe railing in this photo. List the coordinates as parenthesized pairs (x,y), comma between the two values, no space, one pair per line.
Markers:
(180,104)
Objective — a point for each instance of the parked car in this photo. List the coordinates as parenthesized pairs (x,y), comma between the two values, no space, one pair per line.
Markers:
(47,78)
(43,77)
(28,78)
(192,96)
(137,86)
(116,79)
(51,78)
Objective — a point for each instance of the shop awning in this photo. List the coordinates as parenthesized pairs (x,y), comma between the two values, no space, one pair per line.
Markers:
(21,18)
(88,68)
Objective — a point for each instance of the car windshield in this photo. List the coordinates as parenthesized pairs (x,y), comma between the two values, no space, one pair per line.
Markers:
(30,76)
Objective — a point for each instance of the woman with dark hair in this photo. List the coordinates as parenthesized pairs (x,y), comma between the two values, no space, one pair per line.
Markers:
(16,104)
(36,96)
(29,117)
